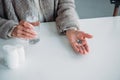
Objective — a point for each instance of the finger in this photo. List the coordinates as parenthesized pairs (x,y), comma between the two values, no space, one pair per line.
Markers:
(83,35)
(75,48)
(35,23)
(84,43)
(30,31)
(26,24)
(28,34)
(17,32)
(25,35)
(21,36)
(79,47)
(80,50)
(87,35)
(86,47)
(83,49)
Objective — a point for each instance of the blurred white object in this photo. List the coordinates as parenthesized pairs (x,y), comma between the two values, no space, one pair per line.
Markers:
(11,56)
(14,55)
(21,53)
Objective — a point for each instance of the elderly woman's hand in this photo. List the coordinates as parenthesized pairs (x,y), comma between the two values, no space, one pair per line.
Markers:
(78,41)
(25,30)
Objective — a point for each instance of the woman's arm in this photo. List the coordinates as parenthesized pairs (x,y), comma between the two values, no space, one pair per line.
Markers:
(5,27)
(67,15)
(67,20)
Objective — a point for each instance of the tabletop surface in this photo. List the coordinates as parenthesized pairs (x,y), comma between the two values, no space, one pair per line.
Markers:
(53,58)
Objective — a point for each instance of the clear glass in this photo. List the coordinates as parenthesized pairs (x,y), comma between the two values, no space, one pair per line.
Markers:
(32,16)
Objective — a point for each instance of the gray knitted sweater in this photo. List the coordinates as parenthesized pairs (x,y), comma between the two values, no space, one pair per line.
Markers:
(61,11)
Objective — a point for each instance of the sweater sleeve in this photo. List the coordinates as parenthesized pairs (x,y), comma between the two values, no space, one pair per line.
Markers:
(67,15)
(5,27)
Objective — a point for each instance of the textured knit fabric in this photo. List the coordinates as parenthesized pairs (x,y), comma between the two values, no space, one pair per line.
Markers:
(37,3)
(61,11)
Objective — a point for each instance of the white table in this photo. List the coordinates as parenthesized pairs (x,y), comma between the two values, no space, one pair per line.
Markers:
(53,58)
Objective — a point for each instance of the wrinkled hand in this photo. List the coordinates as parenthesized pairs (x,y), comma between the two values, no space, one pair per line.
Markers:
(25,30)
(73,37)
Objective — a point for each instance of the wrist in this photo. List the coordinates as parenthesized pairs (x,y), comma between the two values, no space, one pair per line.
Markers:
(10,32)
(70,31)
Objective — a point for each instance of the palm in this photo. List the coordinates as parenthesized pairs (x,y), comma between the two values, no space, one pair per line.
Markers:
(78,40)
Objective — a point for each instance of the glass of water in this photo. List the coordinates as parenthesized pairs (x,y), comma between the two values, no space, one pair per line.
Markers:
(31,17)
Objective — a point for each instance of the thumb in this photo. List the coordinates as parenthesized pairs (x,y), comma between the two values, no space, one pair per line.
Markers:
(88,35)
